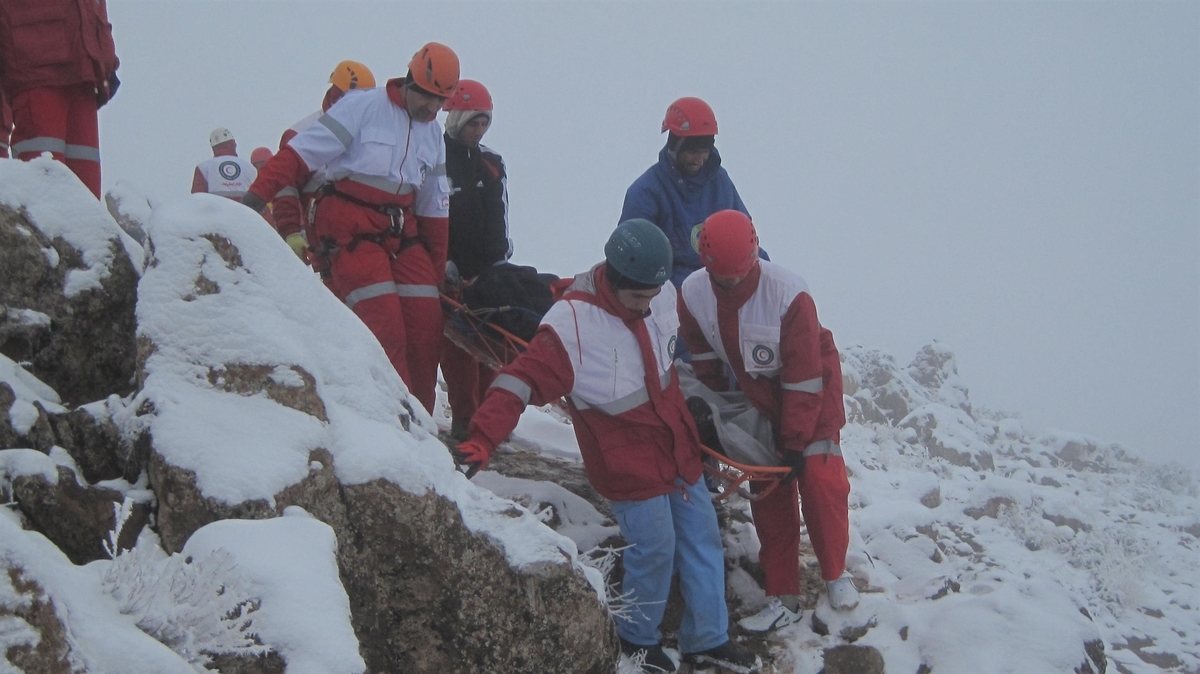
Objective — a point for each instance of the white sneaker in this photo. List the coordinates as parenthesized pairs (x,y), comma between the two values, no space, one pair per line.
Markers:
(775,615)
(843,596)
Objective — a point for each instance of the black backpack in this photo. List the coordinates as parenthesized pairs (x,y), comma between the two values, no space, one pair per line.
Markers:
(511,297)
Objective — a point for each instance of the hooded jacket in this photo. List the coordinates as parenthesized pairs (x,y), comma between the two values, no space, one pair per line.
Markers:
(679,205)
(614,367)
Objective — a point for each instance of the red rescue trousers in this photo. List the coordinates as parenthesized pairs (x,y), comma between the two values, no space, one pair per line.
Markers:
(467,380)
(61,121)
(824,497)
(393,289)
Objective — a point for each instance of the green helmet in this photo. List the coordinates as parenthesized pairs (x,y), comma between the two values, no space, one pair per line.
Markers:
(640,251)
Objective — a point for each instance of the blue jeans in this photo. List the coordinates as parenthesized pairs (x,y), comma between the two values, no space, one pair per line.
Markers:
(673,532)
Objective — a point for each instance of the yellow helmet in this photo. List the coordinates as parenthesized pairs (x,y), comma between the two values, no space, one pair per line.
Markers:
(352,75)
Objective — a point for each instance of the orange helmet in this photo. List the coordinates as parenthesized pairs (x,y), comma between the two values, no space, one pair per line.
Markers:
(260,154)
(690,116)
(434,68)
(349,75)
(470,95)
(728,244)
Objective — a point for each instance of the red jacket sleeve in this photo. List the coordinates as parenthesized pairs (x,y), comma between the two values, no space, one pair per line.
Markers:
(288,214)
(710,370)
(199,184)
(544,372)
(801,377)
(285,169)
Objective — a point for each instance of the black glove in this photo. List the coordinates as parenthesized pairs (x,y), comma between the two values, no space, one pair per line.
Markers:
(795,461)
(106,90)
(254,202)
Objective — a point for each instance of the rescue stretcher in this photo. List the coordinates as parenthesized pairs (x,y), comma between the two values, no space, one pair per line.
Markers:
(495,347)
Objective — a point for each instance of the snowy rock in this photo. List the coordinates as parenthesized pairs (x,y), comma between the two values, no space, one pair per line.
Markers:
(260,391)
(67,289)
(77,518)
(130,209)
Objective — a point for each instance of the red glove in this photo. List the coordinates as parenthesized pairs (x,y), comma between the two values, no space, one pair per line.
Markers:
(472,455)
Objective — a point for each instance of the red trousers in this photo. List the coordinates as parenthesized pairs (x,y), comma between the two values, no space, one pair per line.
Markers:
(61,121)
(467,380)
(394,292)
(825,499)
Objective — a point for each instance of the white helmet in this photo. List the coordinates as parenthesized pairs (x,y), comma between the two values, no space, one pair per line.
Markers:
(219,135)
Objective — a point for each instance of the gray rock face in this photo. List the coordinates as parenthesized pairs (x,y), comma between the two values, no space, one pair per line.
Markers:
(52,652)
(426,594)
(86,350)
(75,518)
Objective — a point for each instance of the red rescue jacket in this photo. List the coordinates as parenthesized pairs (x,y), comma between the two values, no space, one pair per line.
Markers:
(766,330)
(614,367)
(56,43)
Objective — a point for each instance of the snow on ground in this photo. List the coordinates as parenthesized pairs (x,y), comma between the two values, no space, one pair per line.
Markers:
(290,563)
(60,206)
(223,292)
(975,570)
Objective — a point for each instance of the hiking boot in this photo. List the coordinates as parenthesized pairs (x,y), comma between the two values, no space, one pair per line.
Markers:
(774,616)
(458,429)
(652,659)
(843,596)
(703,415)
(729,655)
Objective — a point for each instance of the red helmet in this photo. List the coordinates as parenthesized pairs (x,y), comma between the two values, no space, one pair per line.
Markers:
(434,68)
(728,244)
(470,95)
(690,116)
(260,154)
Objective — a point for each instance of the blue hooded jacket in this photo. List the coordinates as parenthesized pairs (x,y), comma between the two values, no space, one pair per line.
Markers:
(679,205)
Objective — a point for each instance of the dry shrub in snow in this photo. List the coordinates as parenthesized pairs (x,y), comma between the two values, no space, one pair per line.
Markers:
(197,607)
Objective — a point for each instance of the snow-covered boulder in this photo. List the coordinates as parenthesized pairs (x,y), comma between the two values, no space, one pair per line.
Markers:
(259,391)
(68,277)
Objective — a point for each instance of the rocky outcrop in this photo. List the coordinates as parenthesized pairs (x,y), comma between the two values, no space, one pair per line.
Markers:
(426,594)
(77,518)
(77,337)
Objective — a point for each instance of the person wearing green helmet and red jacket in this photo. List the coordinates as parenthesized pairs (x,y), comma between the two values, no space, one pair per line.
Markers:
(607,346)
(759,320)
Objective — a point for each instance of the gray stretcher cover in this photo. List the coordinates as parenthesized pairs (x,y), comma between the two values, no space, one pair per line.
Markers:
(745,434)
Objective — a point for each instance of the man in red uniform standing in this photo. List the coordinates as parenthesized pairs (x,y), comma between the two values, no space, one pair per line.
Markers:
(290,207)
(58,66)
(382,218)
(225,174)
(758,319)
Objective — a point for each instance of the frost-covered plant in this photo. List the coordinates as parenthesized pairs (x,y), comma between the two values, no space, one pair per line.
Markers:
(620,605)
(1116,559)
(1033,530)
(197,607)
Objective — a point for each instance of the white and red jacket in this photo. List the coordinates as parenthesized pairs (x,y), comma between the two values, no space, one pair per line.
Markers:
(374,152)
(290,206)
(225,175)
(615,369)
(766,330)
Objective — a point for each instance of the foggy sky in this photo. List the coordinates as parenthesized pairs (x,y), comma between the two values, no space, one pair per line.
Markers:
(1020,181)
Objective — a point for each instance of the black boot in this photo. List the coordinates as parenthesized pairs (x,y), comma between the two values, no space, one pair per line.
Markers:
(729,655)
(654,660)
